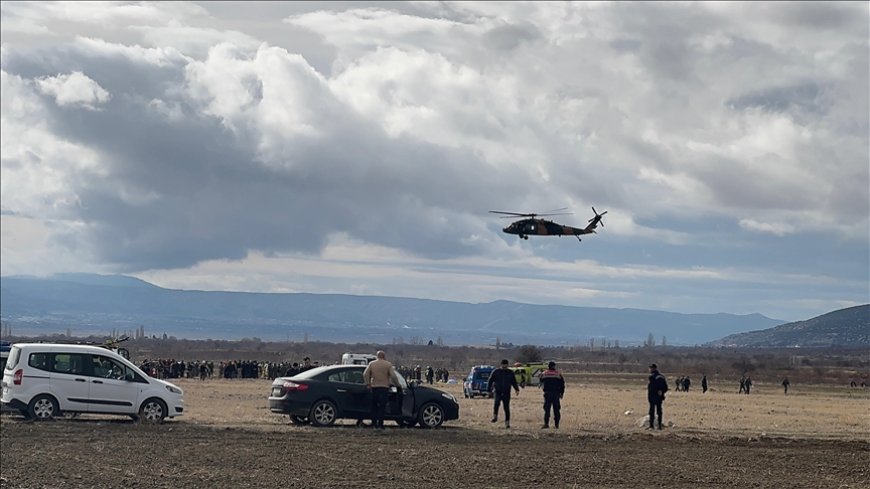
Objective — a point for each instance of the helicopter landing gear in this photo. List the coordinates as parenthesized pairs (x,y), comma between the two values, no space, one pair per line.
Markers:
(523,236)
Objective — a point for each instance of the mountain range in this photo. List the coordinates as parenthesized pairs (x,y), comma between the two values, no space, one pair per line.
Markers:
(98,304)
(845,327)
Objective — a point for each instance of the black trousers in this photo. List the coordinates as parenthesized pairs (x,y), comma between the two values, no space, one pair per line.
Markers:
(504,399)
(551,400)
(379,405)
(655,406)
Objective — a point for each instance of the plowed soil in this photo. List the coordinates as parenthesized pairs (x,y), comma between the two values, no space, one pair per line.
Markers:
(229,439)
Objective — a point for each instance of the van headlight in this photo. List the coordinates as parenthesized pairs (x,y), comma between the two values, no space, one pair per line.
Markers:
(173,389)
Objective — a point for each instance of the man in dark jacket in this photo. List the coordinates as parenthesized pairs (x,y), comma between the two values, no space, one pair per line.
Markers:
(501,380)
(656,394)
(553,385)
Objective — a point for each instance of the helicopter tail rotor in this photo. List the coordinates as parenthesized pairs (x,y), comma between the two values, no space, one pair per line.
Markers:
(598,219)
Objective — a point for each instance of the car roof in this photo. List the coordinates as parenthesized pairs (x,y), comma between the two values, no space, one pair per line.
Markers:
(62,346)
(313,372)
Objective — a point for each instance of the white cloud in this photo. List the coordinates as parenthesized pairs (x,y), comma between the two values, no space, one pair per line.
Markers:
(689,123)
(777,229)
(74,89)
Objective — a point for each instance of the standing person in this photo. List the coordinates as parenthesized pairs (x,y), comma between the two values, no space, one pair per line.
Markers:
(501,380)
(656,389)
(785,384)
(748,384)
(378,375)
(742,385)
(430,374)
(704,384)
(553,385)
(306,365)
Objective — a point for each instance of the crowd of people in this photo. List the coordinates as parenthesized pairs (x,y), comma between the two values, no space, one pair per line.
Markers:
(163,368)
(233,369)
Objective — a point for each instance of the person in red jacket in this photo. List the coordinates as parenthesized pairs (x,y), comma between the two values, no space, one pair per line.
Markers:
(553,385)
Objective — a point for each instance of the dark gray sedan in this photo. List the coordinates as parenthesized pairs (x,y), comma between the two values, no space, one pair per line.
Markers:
(322,395)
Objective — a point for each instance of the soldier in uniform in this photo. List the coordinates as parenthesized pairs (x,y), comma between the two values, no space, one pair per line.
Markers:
(553,385)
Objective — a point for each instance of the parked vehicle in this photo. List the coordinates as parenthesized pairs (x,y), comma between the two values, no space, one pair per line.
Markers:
(45,380)
(529,373)
(322,395)
(5,347)
(357,358)
(477,382)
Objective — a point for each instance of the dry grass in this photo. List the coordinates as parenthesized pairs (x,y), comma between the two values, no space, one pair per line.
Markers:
(595,404)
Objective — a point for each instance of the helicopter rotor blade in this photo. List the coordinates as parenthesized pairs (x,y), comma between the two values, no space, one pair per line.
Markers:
(516,214)
(555,210)
(598,217)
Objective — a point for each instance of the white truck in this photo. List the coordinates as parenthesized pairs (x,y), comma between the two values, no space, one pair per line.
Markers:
(357,358)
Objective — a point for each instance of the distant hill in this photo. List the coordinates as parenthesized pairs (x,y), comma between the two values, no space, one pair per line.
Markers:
(97,304)
(845,327)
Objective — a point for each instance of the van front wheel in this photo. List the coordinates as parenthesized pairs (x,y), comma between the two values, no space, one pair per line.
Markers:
(152,411)
(42,407)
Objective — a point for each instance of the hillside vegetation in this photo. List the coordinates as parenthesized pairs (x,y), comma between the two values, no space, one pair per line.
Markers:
(845,327)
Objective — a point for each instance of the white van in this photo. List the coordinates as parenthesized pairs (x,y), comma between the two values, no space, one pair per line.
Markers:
(43,380)
(357,358)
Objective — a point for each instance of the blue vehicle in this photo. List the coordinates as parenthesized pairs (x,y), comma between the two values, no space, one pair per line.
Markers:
(477,382)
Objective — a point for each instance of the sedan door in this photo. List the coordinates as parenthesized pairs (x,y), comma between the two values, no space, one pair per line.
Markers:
(354,398)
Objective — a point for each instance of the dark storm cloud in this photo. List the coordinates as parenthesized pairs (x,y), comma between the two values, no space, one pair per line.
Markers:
(806,97)
(509,36)
(174,193)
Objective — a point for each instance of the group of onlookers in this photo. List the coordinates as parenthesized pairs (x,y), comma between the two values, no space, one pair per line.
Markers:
(233,369)
(431,375)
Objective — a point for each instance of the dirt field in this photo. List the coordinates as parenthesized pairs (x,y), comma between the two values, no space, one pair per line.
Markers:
(816,437)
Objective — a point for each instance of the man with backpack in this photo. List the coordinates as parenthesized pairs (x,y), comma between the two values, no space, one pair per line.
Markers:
(656,389)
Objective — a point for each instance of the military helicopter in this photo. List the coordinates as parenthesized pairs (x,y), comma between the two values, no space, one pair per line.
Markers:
(532,226)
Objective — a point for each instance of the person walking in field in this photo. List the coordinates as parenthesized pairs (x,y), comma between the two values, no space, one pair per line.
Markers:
(785,384)
(656,390)
(704,384)
(748,384)
(553,385)
(501,381)
(378,376)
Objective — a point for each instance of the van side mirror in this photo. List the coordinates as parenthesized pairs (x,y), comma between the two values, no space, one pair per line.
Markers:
(129,377)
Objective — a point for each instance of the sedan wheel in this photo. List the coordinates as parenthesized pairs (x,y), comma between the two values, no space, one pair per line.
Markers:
(323,413)
(431,415)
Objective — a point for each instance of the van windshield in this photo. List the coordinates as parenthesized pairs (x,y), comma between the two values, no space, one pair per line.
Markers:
(482,374)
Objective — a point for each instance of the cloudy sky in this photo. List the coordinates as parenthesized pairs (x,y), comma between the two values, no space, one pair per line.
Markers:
(357,148)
